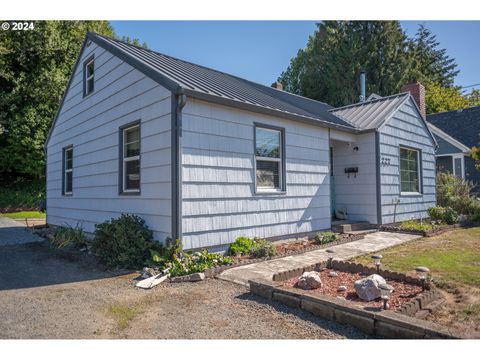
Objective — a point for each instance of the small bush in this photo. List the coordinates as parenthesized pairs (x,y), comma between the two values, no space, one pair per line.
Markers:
(325,237)
(456,193)
(124,242)
(442,214)
(65,236)
(263,248)
(242,246)
(188,263)
(416,225)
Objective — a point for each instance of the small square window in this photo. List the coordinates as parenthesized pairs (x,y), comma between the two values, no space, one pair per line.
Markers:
(269,159)
(410,181)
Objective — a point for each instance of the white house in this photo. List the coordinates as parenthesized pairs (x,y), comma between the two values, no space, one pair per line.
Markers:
(206,157)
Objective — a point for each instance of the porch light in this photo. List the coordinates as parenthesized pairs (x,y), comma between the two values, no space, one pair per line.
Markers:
(385,291)
(422,273)
(377,261)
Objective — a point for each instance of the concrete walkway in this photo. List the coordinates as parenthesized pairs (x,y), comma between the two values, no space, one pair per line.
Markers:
(372,242)
(14,232)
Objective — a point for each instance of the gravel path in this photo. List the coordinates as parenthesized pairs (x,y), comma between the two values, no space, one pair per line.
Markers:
(86,302)
(15,232)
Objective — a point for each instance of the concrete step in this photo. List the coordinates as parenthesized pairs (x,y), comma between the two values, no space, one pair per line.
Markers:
(351,226)
(422,314)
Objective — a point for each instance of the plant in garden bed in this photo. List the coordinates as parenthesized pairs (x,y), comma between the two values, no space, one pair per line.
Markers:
(443,214)
(263,248)
(256,248)
(325,237)
(242,246)
(65,236)
(124,242)
(417,225)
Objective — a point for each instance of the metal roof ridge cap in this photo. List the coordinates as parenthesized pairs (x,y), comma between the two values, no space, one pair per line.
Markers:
(369,102)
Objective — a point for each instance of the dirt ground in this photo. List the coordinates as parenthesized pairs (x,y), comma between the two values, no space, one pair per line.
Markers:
(46,294)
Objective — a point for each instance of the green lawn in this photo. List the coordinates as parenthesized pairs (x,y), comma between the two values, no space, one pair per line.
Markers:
(453,257)
(25,215)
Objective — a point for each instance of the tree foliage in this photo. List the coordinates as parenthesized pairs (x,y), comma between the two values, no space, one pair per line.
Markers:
(440,99)
(328,68)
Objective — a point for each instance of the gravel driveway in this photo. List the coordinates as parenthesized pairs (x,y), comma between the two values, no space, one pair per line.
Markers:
(45,293)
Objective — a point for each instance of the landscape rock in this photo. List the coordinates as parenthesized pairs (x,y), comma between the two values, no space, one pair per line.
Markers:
(309,280)
(367,288)
(149,272)
(342,288)
(189,278)
(333,274)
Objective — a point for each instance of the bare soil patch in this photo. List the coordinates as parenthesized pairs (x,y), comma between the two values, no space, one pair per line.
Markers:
(402,293)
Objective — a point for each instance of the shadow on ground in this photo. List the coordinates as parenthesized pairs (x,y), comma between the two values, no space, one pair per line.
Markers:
(343,330)
(35,264)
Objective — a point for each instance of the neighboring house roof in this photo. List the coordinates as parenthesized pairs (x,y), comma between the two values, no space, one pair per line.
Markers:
(373,113)
(461,125)
(183,77)
(441,135)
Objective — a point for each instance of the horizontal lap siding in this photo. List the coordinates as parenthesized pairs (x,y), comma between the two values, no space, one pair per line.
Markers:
(219,203)
(356,193)
(405,128)
(122,95)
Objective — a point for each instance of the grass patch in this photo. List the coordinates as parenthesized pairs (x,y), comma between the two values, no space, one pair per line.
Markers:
(123,314)
(453,257)
(25,215)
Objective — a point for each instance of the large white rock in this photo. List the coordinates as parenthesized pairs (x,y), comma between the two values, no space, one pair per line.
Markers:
(367,288)
(309,280)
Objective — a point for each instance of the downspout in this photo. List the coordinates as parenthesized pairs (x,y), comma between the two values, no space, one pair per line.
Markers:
(178,103)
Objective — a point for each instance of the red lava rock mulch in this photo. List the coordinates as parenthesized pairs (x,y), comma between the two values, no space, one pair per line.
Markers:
(402,293)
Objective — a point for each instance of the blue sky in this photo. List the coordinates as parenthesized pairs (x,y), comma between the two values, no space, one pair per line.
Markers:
(260,51)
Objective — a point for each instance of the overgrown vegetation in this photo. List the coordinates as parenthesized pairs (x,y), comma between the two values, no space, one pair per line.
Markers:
(256,247)
(456,193)
(124,242)
(325,237)
(21,194)
(417,225)
(68,235)
(443,214)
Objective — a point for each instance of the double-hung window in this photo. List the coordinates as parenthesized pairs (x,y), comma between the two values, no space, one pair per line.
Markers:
(67,185)
(410,175)
(130,159)
(269,159)
(89,76)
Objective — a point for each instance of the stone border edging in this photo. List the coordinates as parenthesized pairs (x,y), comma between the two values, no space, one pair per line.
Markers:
(387,324)
(212,272)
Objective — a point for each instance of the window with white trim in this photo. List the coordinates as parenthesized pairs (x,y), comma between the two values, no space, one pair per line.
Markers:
(269,159)
(410,182)
(89,73)
(131,159)
(68,171)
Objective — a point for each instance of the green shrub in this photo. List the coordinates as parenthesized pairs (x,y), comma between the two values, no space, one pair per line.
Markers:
(242,246)
(325,237)
(263,248)
(443,214)
(124,242)
(65,236)
(456,193)
(197,262)
(21,194)
(416,225)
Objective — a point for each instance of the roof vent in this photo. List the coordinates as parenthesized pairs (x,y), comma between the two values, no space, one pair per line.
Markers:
(277,85)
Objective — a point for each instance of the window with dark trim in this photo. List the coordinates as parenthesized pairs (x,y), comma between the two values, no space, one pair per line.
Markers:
(410,175)
(89,76)
(67,185)
(130,159)
(269,159)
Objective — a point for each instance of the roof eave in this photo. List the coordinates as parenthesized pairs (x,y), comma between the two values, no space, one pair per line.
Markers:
(264,110)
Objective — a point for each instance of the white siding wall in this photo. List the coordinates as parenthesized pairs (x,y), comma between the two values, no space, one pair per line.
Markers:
(122,95)
(357,194)
(219,203)
(406,128)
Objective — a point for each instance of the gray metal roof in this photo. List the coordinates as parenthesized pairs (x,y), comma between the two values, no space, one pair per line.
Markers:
(183,77)
(371,114)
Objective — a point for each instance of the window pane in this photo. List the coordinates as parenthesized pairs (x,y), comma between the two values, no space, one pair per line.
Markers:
(90,69)
(68,159)
(267,143)
(132,175)
(409,176)
(132,142)
(68,181)
(268,174)
(89,86)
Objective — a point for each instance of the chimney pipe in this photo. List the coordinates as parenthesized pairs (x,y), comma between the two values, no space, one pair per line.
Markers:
(363,94)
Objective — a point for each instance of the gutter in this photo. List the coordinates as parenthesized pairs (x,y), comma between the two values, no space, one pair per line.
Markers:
(178,103)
